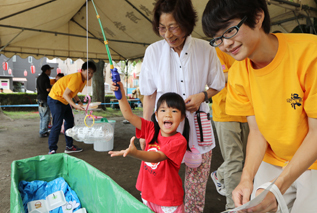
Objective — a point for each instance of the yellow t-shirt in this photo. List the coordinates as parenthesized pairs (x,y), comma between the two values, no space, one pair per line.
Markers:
(281,95)
(219,100)
(73,81)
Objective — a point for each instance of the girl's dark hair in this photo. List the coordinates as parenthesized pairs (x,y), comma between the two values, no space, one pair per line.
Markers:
(90,64)
(182,11)
(172,100)
(218,13)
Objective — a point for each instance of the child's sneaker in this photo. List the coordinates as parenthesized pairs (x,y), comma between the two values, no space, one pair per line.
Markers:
(72,149)
(44,135)
(219,186)
(52,152)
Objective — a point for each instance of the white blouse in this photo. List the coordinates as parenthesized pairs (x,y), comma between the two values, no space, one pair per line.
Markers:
(163,70)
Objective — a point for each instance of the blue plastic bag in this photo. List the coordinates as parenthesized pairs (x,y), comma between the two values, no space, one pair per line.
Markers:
(39,190)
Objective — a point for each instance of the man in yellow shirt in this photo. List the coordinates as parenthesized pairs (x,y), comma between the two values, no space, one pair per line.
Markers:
(232,134)
(274,84)
(60,101)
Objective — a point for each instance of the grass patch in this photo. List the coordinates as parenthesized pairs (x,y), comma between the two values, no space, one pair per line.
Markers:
(114,112)
(21,114)
(104,113)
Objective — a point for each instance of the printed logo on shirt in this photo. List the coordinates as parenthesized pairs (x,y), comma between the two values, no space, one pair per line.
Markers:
(223,67)
(295,100)
(149,170)
(152,165)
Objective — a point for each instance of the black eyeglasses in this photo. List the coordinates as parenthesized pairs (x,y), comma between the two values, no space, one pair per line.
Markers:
(229,33)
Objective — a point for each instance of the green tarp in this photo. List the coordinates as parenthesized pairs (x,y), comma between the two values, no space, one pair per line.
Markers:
(97,192)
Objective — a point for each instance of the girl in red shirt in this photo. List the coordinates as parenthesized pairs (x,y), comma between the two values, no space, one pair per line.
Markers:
(158,180)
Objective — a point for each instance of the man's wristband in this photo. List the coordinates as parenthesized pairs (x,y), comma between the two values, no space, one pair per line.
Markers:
(206,96)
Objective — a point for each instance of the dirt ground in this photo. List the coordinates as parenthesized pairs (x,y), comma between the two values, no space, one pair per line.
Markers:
(19,139)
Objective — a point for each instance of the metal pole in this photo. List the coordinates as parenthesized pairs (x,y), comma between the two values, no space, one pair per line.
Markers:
(300,27)
(310,22)
(73,35)
(127,75)
(304,7)
(11,40)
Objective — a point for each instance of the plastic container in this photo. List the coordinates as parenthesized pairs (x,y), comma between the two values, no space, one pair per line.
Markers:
(98,133)
(82,133)
(55,200)
(105,144)
(38,206)
(82,210)
(96,191)
(89,139)
(79,118)
(89,120)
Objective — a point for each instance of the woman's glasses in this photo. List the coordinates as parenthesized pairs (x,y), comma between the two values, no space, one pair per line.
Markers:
(229,33)
(172,29)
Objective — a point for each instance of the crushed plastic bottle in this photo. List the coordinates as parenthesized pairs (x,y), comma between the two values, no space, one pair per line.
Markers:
(97,133)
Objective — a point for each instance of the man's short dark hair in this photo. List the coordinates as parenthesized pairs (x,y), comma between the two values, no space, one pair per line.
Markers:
(90,64)
(218,13)
(182,11)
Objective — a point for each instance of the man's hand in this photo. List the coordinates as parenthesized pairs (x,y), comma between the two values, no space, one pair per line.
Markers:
(268,204)
(79,106)
(241,194)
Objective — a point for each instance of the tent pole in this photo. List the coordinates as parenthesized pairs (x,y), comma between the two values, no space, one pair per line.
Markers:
(300,27)
(127,75)
(68,34)
(138,11)
(310,22)
(31,8)
(283,28)
(11,40)
(304,7)
(56,56)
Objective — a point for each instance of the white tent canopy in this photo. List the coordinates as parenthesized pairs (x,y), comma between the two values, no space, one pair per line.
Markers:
(57,28)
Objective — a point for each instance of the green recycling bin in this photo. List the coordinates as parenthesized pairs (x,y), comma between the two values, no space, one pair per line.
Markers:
(97,192)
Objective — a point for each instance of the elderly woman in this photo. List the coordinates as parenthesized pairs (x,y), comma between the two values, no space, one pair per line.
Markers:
(185,65)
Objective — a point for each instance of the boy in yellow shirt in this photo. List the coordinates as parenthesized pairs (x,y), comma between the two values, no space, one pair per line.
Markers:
(60,101)
(232,134)
(274,84)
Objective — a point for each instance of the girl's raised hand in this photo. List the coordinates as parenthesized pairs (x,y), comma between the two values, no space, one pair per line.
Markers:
(129,151)
(113,86)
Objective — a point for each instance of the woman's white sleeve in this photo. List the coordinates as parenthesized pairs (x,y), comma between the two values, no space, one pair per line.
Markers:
(146,84)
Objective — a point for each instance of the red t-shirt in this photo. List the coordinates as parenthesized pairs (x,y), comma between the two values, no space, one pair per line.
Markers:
(160,182)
